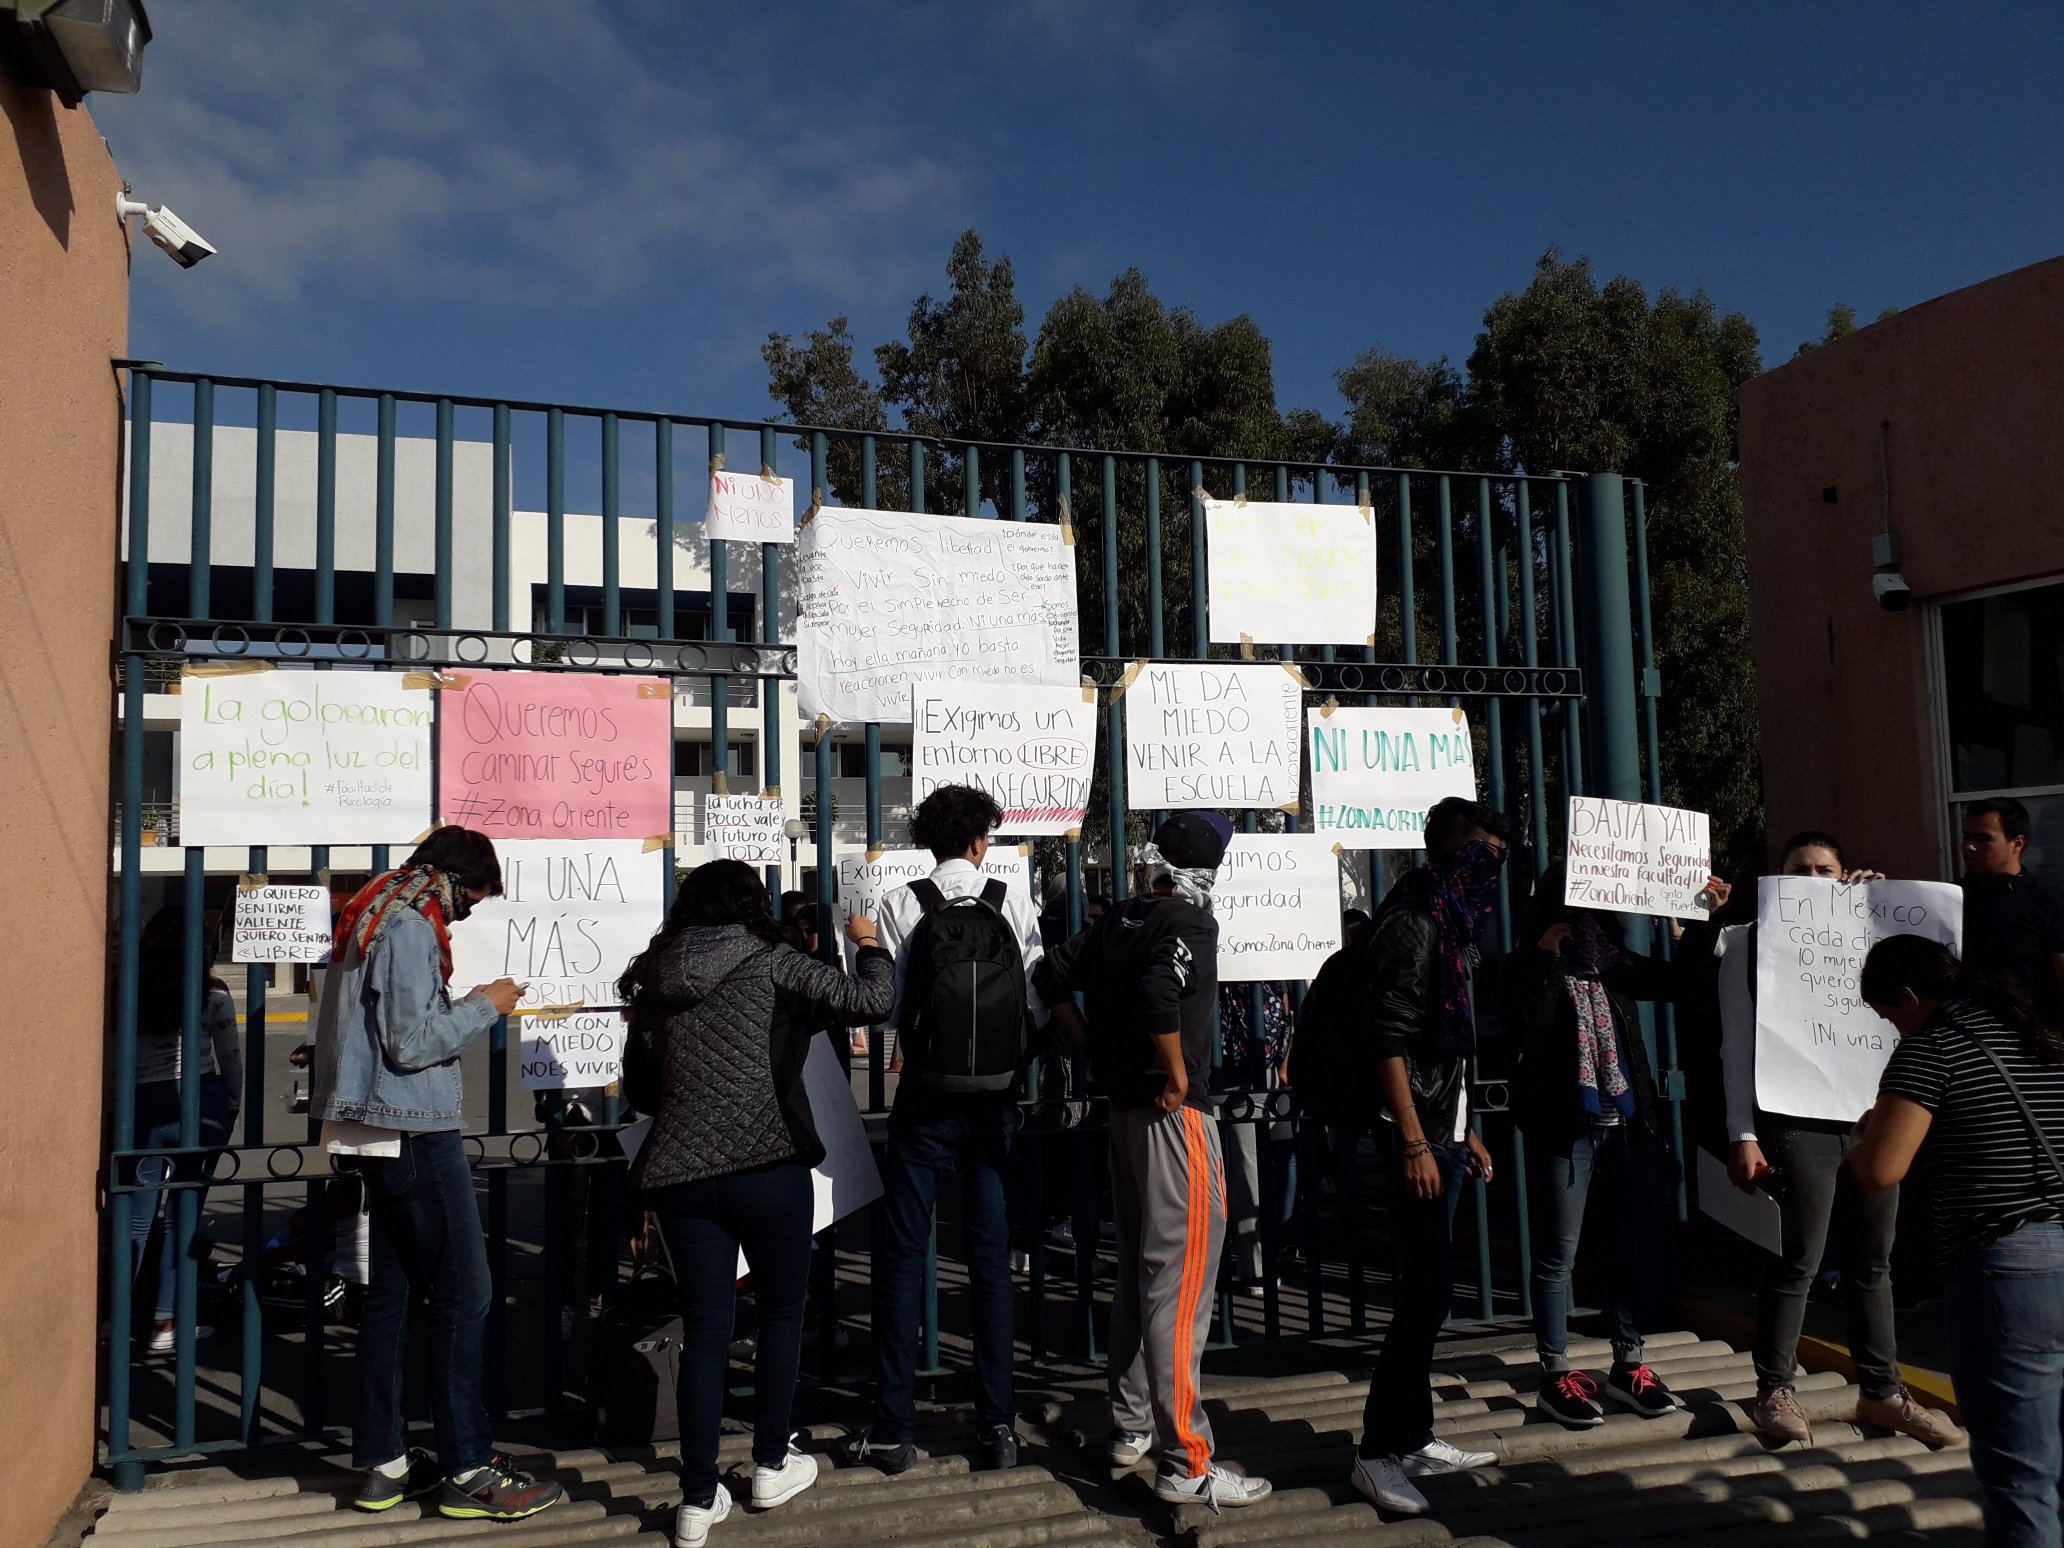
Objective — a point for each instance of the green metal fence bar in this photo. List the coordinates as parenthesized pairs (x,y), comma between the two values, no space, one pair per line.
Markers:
(612,556)
(1565,620)
(326,507)
(383,516)
(1152,528)
(500,516)
(720,630)
(264,480)
(555,521)
(1530,655)
(200,566)
(441,518)
(663,522)
(770,693)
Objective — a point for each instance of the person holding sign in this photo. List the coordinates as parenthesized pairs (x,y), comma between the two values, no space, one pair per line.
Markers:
(1974,1097)
(1148,972)
(722,1008)
(386,1090)
(1799,1159)
(1586,1099)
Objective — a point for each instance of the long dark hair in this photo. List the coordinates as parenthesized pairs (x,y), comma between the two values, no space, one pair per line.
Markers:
(720,892)
(162,968)
(1931,970)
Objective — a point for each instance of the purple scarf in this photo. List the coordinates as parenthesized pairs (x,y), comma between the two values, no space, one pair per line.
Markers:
(1459,892)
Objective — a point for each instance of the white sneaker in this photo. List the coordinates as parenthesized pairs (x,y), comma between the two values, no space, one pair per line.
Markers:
(1214,1487)
(166,1340)
(1437,1456)
(1382,1482)
(773,1486)
(1129,1450)
(1021,1262)
(692,1523)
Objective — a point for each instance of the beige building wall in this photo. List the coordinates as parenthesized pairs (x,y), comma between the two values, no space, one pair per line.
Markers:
(64,313)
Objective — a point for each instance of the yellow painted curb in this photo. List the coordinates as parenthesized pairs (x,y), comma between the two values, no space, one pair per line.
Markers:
(1709,1319)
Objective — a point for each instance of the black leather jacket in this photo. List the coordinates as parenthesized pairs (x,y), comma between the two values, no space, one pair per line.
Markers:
(1401,979)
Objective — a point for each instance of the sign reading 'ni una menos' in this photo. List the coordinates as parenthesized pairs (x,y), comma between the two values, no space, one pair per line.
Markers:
(1376,772)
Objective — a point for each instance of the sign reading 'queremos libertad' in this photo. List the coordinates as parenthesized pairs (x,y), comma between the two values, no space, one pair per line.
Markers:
(890,599)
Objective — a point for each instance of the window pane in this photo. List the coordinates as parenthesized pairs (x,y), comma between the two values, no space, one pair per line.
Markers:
(2003,669)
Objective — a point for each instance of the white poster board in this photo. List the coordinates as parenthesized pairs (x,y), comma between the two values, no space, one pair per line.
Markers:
(863,883)
(1277,902)
(745,827)
(1033,749)
(888,599)
(846,1180)
(1819,1048)
(580,1051)
(1626,857)
(1755,1217)
(1218,735)
(293,757)
(571,916)
(278,923)
(1291,574)
(1375,772)
(749,508)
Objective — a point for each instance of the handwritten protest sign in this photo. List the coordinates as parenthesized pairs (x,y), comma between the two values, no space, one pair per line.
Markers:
(572,914)
(745,827)
(584,1049)
(1375,772)
(863,883)
(1629,858)
(1277,901)
(748,508)
(293,757)
(539,755)
(1819,1048)
(1291,574)
(1219,735)
(1033,749)
(280,924)
(889,599)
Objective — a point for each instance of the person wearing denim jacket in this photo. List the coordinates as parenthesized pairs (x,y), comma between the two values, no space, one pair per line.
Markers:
(386,1091)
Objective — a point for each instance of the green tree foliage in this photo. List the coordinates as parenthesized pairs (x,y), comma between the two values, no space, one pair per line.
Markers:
(1841,322)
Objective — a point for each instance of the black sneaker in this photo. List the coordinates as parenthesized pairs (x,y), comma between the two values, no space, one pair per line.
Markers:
(1570,1398)
(379,1492)
(999,1447)
(499,1491)
(891,1458)
(1641,1389)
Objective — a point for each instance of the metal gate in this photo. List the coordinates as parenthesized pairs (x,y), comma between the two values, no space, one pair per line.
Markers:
(329,526)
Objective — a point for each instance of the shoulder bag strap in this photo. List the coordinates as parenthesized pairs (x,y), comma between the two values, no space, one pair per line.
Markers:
(928,895)
(2020,1101)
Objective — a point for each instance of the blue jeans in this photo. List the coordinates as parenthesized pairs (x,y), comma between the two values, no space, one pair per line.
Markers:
(929,1131)
(157,1126)
(1625,1170)
(425,1245)
(1398,1417)
(2006,1355)
(766,1212)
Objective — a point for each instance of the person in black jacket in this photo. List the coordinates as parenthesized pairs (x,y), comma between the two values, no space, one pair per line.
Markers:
(1586,1100)
(721,1008)
(1413,976)
(1148,972)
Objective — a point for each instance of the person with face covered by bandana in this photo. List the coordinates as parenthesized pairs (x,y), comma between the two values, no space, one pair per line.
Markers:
(1148,974)
(1586,1100)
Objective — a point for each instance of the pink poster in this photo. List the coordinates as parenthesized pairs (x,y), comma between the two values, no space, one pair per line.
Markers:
(557,755)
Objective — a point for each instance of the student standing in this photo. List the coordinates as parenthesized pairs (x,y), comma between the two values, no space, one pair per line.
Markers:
(386,1090)
(2013,924)
(1799,1161)
(1974,1097)
(965,946)
(1148,972)
(722,1007)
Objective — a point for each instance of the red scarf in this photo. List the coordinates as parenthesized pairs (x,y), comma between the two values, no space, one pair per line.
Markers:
(380,902)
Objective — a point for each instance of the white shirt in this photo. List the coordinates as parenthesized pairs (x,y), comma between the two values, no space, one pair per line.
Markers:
(900,912)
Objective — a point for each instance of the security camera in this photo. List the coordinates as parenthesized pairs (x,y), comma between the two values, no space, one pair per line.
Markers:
(182,244)
(1892,591)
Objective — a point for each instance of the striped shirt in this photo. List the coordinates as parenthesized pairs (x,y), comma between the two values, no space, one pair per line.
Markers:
(1986,1173)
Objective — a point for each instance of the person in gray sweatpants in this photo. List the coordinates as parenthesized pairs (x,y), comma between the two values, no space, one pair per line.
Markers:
(1148,975)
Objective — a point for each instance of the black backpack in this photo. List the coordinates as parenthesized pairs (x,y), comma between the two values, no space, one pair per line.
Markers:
(1331,1071)
(965,1025)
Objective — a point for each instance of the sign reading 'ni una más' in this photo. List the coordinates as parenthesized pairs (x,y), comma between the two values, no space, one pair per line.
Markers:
(1630,858)
(557,755)
(1032,749)
(302,757)
(889,599)
(1375,772)
(1217,735)
(571,916)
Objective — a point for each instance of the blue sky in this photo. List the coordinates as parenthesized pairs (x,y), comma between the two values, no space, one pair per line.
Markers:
(614,203)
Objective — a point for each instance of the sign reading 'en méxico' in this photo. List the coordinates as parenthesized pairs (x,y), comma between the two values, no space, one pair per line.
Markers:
(292,757)
(1033,749)
(1629,858)
(1819,1048)
(1375,772)
(557,755)
(890,599)
(1216,735)
(1291,574)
